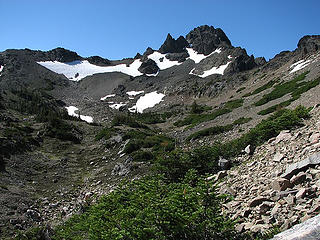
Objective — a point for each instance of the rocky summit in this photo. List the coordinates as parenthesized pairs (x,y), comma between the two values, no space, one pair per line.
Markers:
(215,143)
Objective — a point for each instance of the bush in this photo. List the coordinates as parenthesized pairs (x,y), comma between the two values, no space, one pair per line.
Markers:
(142,156)
(105,133)
(282,89)
(150,208)
(217,129)
(128,120)
(175,164)
(62,130)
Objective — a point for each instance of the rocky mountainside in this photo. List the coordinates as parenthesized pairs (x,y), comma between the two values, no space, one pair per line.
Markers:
(73,127)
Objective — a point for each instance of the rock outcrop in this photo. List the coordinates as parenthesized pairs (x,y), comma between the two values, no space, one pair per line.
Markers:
(173,46)
(205,39)
(149,67)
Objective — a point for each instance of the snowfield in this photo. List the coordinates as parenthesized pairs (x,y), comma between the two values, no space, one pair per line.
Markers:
(108,96)
(215,70)
(162,61)
(78,70)
(198,57)
(71,112)
(134,93)
(149,100)
(299,65)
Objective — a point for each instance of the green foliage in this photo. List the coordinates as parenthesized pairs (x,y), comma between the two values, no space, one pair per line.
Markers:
(197,109)
(142,156)
(217,129)
(156,142)
(62,130)
(295,94)
(210,131)
(105,133)
(284,88)
(232,104)
(195,119)
(150,208)
(175,164)
(240,89)
(241,121)
(127,119)
(44,106)
(265,87)
(153,118)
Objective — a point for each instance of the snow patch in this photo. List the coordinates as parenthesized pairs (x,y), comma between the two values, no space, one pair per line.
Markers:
(78,70)
(134,93)
(117,106)
(215,70)
(71,112)
(299,65)
(162,61)
(1,68)
(147,101)
(198,57)
(108,96)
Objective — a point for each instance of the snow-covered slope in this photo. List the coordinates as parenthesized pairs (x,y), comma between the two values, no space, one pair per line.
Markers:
(162,61)
(198,57)
(79,69)
(71,111)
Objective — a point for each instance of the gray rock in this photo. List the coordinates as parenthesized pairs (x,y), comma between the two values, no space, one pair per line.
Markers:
(257,201)
(224,164)
(308,230)
(299,178)
(295,168)
(280,184)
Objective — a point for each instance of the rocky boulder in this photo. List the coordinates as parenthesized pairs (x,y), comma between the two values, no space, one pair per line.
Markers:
(173,46)
(205,39)
(63,55)
(149,67)
(99,61)
(180,57)
(309,44)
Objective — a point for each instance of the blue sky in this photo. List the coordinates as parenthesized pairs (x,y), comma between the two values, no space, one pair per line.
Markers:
(117,29)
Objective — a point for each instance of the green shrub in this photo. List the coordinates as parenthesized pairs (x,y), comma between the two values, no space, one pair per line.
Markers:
(197,109)
(175,164)
(150,208)
(241,121)
(62,130)
(240,89)
(105,133)
(295,94)
(234,104)
(210,131)
(282,89)
(142,156)
(195,119)
(126,119)
(217,129)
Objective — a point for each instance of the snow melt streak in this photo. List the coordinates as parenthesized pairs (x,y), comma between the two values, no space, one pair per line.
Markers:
(71,112)
(108,96)
(299,65)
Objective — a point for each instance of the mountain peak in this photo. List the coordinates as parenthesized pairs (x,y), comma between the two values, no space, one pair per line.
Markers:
(205,39)
(173,46)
